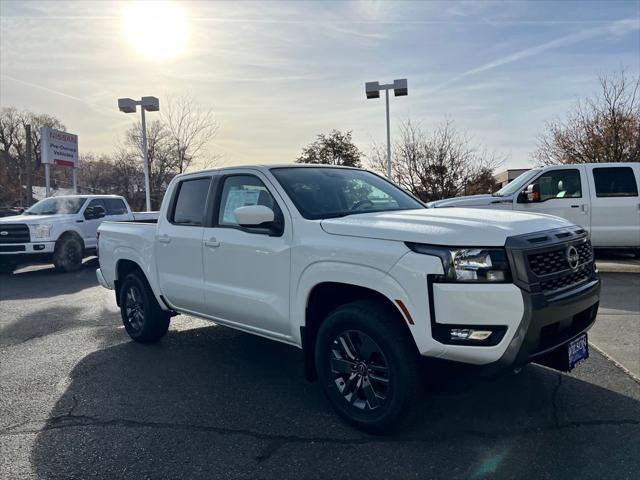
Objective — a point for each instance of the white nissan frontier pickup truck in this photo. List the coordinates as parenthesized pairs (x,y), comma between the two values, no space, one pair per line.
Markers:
(359,274)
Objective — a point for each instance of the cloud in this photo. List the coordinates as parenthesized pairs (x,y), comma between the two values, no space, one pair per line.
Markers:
(618,28)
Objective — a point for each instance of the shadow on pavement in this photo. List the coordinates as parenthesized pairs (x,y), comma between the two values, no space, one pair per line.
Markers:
(28,283)
(215,403)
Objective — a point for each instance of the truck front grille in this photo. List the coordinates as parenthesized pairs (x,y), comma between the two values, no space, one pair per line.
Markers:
(14,233)
(554,261)
(540,261)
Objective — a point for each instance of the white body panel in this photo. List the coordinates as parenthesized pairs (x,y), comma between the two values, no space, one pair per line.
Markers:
(261,283)
(613,221)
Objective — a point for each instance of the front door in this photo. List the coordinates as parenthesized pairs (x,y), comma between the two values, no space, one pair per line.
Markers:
(564,192)
(246,270)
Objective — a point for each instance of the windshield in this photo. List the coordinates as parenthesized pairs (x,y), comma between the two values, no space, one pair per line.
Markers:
(320,192)
(57,205)
(517,183)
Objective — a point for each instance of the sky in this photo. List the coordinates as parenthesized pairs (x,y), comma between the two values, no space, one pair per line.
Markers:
(276,74)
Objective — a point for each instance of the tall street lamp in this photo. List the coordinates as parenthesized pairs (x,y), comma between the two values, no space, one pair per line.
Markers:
(400,89)
(150,104)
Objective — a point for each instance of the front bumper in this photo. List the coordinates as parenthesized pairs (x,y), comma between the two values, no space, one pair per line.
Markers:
(25,249)
(549,324)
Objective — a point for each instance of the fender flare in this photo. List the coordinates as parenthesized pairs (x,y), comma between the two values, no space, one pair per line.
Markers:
(341,272)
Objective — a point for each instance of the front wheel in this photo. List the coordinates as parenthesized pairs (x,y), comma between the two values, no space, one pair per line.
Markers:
(68,253)
(368,365)
(143,319)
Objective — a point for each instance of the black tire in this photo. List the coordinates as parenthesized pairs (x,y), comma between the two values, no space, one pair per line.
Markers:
(68,254)
(7,267)
(143,319)
(376,406)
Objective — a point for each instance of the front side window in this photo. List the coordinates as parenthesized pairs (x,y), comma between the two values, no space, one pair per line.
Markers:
(242,191)
(563,183)
(115,206)
(322,192)
(615,182)
(190,202)
(96,202)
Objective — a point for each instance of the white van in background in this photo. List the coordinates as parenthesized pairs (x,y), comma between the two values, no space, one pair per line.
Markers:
(601,197)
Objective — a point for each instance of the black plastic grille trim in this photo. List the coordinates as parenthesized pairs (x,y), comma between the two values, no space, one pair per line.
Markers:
(15,233)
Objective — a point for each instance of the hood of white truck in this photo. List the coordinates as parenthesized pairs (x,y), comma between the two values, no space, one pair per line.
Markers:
(468,201)
(36,218)
(447,226)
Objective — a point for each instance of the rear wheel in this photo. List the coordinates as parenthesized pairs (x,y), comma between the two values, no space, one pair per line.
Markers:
(68,253)
(368,365)
(141,314)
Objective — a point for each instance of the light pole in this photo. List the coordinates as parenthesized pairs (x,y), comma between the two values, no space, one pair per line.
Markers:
(400,89)
(151,104)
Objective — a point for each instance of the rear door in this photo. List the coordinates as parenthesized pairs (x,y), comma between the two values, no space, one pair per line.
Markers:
(178,244)
(615,206)
(564,192)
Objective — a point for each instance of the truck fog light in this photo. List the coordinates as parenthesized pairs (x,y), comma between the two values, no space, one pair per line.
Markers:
(495,276)
(469,334)
(38,247)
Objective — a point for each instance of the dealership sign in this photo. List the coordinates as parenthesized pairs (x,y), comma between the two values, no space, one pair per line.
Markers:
(59,148)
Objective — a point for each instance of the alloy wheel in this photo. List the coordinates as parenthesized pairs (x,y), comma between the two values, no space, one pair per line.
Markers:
(134,308)
(360,370)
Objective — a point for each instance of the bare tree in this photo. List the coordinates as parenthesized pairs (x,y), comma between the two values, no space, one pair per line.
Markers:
(441,165)
(602,128)
(13,142)
(336,148)
(190,129)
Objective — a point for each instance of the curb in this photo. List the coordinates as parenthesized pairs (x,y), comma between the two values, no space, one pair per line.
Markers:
(615,362)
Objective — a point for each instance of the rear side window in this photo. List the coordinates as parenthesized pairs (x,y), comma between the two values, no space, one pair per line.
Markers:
(615,182)
(190,202)
(115,206)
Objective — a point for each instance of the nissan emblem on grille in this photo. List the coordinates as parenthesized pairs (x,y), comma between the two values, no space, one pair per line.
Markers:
(4,233)
(573,258)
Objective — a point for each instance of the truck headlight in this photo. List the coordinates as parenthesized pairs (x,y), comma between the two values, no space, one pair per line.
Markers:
(469,264)
(42,231)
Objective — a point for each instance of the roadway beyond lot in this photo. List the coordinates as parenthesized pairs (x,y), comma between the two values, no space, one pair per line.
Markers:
(78,399)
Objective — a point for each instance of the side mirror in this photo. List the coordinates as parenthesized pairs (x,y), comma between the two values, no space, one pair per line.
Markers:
(99,211)
(253,215)
(92,213)
(531,194)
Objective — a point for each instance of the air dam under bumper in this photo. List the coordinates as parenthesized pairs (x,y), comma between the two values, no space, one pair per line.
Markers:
(548,324)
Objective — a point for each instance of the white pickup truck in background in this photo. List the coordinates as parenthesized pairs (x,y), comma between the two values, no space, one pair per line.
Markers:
(600,197)
(60,230)
(359,274)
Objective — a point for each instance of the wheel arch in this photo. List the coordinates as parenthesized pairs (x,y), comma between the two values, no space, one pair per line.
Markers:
(324,298)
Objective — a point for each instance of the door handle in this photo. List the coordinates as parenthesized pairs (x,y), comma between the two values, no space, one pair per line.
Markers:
(164,239)
(575,206)
(212,242)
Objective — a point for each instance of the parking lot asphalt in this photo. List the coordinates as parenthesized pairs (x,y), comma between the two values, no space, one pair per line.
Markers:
(79,400)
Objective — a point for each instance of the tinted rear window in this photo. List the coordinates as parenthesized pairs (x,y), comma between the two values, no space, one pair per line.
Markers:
(115,206)
(615,182)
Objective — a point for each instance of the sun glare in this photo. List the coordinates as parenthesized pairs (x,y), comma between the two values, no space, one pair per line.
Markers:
(156,29)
